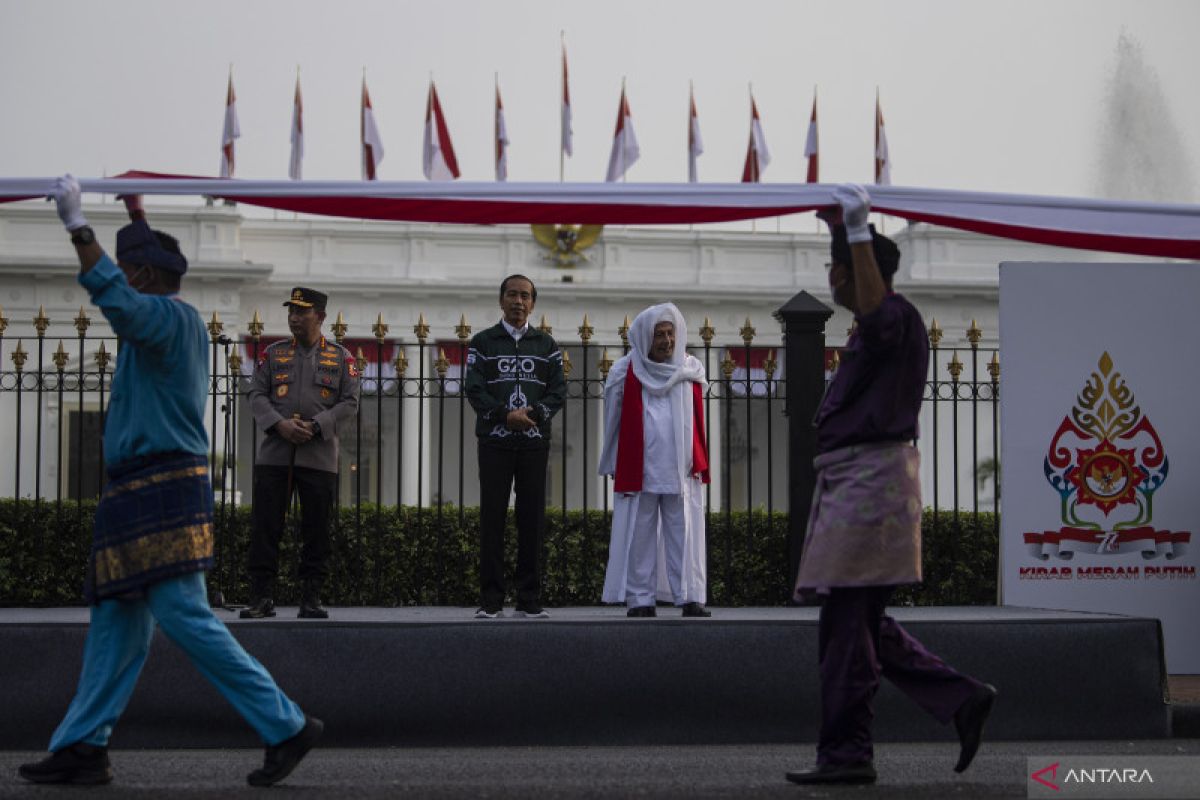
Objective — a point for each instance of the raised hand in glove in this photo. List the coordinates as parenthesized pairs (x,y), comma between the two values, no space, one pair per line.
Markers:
(856,205)
(66,196)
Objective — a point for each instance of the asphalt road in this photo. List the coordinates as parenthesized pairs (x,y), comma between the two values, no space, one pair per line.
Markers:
(907,770)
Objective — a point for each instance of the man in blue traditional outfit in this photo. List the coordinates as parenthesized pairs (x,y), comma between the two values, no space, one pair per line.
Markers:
(864,531)
(152,539)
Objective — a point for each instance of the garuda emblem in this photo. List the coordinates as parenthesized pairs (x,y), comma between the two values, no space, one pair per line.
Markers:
(1106,462)
(566,243)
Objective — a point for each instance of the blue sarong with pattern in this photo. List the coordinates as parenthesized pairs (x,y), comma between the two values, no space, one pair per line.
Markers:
(154,521)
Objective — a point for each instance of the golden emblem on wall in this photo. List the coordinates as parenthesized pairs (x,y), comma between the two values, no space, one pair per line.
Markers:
(566,243)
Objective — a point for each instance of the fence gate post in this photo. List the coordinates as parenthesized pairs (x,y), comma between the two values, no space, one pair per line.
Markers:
(803,319)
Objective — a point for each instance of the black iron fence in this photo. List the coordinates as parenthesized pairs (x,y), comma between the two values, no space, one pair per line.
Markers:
(412,443)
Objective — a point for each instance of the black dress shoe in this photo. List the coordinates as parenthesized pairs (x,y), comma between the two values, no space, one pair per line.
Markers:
(262,607)
(862,772)
(310,608)
(642,611)
(968,721)
(281,759)
(80,763)
(695,610)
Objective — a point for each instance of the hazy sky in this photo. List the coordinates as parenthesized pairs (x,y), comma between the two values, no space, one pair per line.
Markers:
(993,96)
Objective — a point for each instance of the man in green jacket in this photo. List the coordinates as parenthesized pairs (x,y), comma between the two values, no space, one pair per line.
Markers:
(515,384)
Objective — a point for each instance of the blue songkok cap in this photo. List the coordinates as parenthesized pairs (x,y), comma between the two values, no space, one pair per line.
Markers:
(138,244)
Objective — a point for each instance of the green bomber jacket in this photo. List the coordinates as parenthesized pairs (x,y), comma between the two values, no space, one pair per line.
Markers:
(503,374)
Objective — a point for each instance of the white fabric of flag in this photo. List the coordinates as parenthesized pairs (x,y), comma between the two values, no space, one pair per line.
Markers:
(567,134)
(296,163)
(695,142)
(758,155)
(437,151)
(229,132)
(625,150)
(812,148)
(501,140)
(883,162)
(372,143)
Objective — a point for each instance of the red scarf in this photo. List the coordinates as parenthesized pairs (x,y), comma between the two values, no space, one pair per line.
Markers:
(631,444)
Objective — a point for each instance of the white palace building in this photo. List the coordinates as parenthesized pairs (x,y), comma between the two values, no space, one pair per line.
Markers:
(242,265)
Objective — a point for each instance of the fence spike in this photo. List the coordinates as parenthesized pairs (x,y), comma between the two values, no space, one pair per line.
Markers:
(102,357)
(339,328)
(421,329)
(623,331)
(462,329)
(18,356)
(400,362)
(255,326)
(955,367)
(442,364)
(586,330)
(727,365)
(707,333)
(974,334)
(4,321)
(993,367)
(747,332)
(544,327)
(215,326)
(769,364)
(380,328)
(835,362)
(360,361)
(935,334)
(41,322)
(60,356)
(605,363)
(567,365)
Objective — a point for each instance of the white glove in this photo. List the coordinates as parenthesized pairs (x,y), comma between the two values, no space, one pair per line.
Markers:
(856,205)
(70,205)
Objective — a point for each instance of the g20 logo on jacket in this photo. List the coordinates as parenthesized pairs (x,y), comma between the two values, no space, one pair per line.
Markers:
(507,365)
(1106,463)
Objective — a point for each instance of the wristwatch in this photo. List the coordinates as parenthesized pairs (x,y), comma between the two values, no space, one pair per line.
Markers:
(83,236)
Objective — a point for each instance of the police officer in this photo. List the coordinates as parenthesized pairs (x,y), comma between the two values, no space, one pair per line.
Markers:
(302,388)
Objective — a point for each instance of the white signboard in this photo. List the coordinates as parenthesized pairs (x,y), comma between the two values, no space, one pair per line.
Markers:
(1100,443)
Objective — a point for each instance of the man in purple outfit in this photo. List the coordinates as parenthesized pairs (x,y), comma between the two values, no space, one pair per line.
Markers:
(864,532)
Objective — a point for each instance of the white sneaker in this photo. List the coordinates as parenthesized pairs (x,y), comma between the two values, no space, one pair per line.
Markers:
(531,612)
(488,613)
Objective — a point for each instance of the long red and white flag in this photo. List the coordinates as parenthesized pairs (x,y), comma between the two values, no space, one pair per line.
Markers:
(230,131)
(625,150)
(437,152)
(296,164)
(695,143)
(757,154)
(883,162)
(372,143)
(568,135)
(812,149)
(501,138)
(1169,230)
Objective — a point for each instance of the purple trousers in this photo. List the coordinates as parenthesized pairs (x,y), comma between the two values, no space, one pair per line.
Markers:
(858,643)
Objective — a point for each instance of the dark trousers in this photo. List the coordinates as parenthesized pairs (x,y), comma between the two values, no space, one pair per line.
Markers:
(317,490)
(502,471)
(858,643)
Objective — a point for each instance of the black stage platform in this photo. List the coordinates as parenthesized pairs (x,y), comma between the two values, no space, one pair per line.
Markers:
(590,676)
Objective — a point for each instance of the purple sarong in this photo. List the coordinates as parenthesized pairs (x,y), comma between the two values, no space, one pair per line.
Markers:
(865,525)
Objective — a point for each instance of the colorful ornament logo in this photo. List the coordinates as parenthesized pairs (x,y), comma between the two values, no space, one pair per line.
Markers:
(1106,461)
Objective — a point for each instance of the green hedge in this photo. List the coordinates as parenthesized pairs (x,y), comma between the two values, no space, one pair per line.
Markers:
(388,556)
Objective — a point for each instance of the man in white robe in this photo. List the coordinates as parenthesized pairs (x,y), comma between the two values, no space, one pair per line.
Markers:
(654,447)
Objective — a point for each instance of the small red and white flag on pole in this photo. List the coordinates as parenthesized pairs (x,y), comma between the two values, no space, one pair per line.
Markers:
(501,138)
(372,144)
(437,152)
(567,133)
(695,143)
(231,130)
(296,164)
(883,162)
(625,150)
(812,149)
(757,154)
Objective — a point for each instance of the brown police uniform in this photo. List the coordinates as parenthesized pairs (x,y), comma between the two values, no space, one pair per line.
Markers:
(320,384)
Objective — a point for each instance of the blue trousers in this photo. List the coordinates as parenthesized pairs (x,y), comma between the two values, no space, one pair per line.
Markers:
(118,641)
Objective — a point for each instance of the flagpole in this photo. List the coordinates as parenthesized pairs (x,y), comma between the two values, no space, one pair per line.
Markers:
(878,131)
(753,152)
(624,102)
(562,131)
